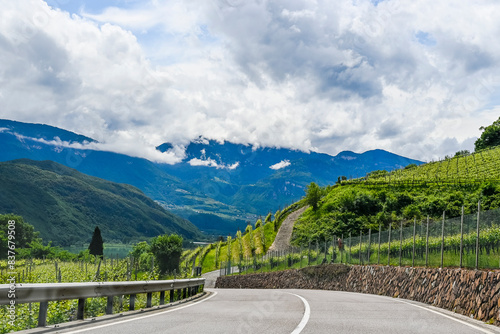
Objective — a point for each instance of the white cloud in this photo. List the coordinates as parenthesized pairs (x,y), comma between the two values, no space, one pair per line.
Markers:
(280,165)
(212,163)
(416,78)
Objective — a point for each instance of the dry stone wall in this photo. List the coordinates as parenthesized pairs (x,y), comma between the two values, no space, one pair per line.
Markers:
(469,292)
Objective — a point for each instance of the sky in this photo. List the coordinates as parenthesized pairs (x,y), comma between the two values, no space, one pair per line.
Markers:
(416,78)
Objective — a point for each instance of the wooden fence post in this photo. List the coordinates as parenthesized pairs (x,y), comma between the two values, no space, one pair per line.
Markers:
(379,233)
(461,237)
(442,240)
(413,251)
(477,234)
(369,243)
(427,243)
(389,249)
(400,242)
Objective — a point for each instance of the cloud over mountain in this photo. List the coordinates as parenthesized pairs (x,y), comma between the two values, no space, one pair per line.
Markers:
(415,78)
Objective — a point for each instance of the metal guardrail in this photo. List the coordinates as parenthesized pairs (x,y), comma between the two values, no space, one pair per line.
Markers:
(43,293)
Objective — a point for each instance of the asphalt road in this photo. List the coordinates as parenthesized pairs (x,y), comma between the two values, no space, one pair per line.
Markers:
(288,311)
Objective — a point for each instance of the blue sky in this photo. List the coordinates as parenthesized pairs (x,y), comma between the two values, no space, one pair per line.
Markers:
(417,78)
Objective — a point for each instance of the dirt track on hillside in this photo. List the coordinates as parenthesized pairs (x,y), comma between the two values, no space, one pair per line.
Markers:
(282,240)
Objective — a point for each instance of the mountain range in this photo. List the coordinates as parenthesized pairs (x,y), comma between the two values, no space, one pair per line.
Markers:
(65,205)
(219,186)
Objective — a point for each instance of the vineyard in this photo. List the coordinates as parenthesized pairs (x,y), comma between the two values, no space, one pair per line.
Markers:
(475,168)
(89,270)
(253,242)
(446,243)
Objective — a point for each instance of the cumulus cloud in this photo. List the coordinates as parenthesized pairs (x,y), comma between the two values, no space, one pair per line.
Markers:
(212,163)
(280,165)
(414,78)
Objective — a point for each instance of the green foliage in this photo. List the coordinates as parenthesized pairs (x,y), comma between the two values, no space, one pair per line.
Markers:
(463,169)
(23,233)
(263,238)
(410,166)
(142,255)
(313,195)
(355,208)
(490,136)
(37,250)
(167,250)
(379,173)
(239,253)
(96,246)
(251,239)
(462,153)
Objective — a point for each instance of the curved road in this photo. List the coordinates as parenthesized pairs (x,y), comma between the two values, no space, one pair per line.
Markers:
(287,311)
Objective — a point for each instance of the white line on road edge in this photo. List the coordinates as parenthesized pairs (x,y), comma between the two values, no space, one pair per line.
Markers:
(305,318)
(449,317)
(141,317)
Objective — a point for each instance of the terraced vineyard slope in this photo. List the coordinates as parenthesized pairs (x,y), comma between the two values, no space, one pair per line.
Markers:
(475,168)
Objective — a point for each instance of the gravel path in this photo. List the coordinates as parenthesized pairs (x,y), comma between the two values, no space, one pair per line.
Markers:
(282,240)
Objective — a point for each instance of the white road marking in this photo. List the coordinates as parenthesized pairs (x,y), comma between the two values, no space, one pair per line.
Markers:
(141,317)
(305,318)
(449,317)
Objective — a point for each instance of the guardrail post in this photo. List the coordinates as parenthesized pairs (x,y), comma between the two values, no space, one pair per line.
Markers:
(171,296)
(109,305)
(42,314)
(185,293)
(162,297)
(149,299)
(81,309)
(132,303)
(179,294)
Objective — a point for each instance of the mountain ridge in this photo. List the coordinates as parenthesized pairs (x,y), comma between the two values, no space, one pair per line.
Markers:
(64,205)
(227,183)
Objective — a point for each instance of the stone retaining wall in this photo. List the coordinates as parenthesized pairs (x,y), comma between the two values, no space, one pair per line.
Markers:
(468,292)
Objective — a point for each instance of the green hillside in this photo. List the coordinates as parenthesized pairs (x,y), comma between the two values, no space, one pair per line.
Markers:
(387,198)
(478,167)
(66,205)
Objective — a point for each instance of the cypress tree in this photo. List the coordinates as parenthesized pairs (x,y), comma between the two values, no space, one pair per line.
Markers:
(96,246)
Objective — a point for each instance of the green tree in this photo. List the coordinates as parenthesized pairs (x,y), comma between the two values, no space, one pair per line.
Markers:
(24,232)
(142,255)
(96,246)
(167,250)
(490,136)
(313,195)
